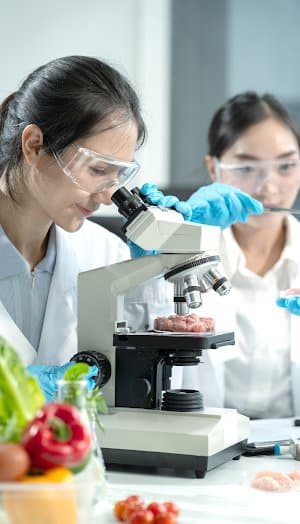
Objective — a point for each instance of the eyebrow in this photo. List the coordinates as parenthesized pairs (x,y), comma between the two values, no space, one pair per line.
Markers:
(251,158)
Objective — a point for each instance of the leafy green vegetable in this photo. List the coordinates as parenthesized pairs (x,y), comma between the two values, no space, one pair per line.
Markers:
(77,372)
(20,394)
(95,401)
(98,401)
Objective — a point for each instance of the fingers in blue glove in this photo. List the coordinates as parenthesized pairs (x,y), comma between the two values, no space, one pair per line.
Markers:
(281,302)
(250,205)
(224,205)
(184,209)
(156,197)
(292,304)
(47,377)
(137,251)
(235,208)
(152,193)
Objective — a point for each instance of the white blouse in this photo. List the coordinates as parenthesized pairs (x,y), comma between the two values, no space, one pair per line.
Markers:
(23,292)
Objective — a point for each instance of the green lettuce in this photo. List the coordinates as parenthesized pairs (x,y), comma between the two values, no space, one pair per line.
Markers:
(96,404)
(20,394)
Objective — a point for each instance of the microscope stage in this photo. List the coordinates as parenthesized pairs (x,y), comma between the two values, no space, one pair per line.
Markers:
(198,441)
(170,340)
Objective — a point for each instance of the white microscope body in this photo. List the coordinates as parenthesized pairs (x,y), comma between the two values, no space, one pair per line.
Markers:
(139,430)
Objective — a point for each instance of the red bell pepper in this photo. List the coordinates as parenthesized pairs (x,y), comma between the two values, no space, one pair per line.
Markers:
(57,436)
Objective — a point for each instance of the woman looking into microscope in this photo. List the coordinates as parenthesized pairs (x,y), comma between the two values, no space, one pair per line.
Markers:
(68,138)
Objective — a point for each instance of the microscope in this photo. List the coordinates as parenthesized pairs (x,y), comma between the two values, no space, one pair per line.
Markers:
(148,423)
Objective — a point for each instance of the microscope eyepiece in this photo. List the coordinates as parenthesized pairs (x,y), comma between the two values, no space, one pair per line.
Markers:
(129,203)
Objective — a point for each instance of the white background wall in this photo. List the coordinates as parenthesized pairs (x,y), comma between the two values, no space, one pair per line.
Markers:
(132,35)
(219,48)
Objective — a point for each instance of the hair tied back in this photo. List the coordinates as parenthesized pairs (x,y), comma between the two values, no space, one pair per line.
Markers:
(4,107)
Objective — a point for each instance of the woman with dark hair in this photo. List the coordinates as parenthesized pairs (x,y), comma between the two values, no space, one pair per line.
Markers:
(68,139)
(253,145)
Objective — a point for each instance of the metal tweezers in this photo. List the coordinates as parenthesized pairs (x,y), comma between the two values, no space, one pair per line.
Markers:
(282,210)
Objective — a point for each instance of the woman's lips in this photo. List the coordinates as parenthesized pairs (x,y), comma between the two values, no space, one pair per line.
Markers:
(85,212)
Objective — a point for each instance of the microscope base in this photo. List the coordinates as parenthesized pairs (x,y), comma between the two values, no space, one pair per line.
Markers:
(146,459)
(198,441)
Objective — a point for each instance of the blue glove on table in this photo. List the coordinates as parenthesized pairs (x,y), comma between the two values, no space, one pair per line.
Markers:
(48,375)
(292,304)
(222,205)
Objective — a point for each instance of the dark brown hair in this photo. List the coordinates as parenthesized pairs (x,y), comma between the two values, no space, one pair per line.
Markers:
(67,99)
(241,112)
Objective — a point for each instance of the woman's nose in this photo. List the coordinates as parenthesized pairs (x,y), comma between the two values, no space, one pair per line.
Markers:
(104,197)
(267,186)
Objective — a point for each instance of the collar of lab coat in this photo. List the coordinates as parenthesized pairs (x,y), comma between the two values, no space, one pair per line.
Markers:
(58,341)
(233,258)
(67,265)
(60,320)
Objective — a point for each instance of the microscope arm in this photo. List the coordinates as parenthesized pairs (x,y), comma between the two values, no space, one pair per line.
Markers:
(101,302)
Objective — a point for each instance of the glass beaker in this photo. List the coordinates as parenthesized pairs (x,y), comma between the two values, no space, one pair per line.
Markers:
(75,392)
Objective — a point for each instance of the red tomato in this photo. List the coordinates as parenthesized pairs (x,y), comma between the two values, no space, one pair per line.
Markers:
(132,507)
(165,518)
(171,507)
(119,510)
(143,516)
(157,508)
(135,499)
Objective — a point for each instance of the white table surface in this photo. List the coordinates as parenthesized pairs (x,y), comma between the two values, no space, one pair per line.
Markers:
(224,496)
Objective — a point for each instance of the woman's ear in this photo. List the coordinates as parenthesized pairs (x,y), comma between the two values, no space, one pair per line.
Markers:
(32,143)
(210,166)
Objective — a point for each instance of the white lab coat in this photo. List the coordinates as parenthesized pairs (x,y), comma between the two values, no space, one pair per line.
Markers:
(210,376)
(90,247)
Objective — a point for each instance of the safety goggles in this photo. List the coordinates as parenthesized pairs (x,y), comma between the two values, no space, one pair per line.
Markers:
(281,175)
(93,172)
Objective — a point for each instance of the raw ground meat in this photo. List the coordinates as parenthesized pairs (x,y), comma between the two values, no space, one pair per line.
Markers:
(276,481)
(185,323)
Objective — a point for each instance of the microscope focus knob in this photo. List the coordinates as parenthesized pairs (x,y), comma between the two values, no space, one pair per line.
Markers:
(94,358)
(141,388)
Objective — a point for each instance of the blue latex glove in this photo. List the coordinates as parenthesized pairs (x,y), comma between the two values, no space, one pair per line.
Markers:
(48,375)
(156,197)
(137,251)
(292,304)
(222,205)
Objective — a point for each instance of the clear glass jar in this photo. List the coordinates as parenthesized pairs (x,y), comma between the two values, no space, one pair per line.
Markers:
(75,392)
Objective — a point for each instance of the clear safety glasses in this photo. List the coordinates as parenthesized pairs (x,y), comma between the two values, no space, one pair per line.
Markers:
(252,177)
(93,172)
